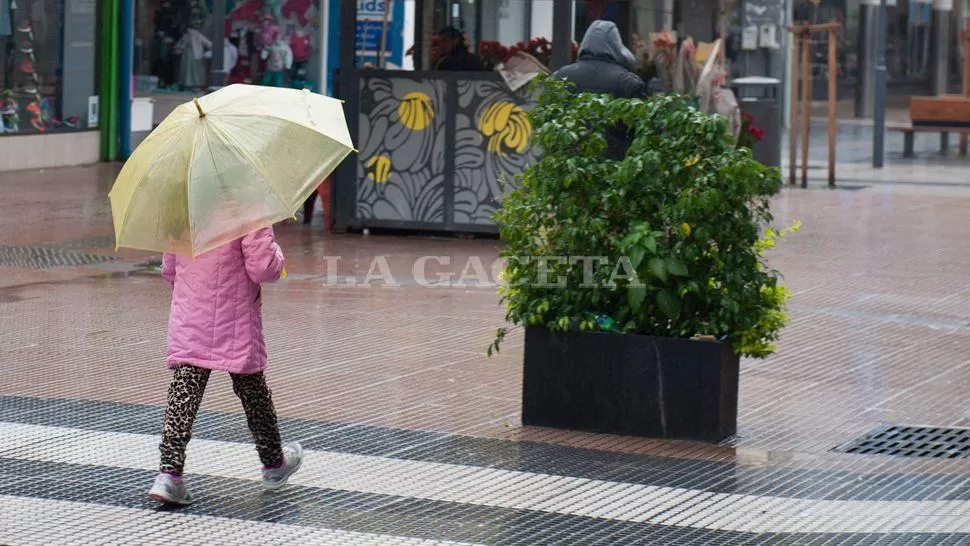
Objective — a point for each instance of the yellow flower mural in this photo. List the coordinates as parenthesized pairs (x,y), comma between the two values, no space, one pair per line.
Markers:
(379,169)
(416,111)
(507,128)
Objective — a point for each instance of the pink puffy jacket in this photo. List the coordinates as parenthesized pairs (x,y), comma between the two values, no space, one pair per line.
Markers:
(216,319)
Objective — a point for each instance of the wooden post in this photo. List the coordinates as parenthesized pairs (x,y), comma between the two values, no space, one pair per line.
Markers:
(833,62)
(382,52)
(796,42)
(806,100)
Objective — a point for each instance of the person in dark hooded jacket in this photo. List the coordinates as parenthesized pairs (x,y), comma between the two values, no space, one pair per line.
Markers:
(605,66)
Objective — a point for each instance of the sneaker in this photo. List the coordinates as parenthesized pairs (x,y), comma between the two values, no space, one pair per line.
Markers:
(27,67)
(170,490)
(26,48)
(30,89)
(72,122)
(275,478)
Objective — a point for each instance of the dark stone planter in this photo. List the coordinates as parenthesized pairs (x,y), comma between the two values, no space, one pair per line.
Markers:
(629,384)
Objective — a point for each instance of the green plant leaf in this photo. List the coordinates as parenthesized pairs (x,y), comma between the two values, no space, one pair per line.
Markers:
(636,294)
(636,257)
(677,267)
(669,304)
(658,269)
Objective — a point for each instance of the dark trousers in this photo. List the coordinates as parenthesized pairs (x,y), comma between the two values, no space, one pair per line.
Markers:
(185,396)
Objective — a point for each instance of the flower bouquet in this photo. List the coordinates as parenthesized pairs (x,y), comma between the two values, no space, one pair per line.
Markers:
(664,57)
(685,72)
(750,133)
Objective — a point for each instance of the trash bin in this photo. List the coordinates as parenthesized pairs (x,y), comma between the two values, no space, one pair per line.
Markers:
(758,97)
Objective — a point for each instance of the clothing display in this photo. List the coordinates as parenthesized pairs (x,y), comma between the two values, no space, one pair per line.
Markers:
(164,58)
(299,9)
(230,55)
(194,48)
(268,42)
(269,32)
(300,46)
(278,57)
(272,79)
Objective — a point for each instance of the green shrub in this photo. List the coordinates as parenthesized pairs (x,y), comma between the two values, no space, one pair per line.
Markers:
(681,222)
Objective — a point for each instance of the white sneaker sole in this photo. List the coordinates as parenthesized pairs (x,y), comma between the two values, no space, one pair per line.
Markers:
(170,501)
(271,486)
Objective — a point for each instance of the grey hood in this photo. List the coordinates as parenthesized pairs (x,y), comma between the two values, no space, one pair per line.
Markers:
(603,42)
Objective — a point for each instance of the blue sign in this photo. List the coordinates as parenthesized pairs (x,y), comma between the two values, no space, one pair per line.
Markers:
(369,37)
(370,26)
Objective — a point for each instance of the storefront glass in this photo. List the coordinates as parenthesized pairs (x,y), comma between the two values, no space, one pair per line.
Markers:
(266,42)
(48,72)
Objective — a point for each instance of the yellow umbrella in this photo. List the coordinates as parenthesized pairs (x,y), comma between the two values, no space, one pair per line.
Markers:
(226,164)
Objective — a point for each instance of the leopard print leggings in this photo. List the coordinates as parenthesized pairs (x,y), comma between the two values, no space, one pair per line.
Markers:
(184,397)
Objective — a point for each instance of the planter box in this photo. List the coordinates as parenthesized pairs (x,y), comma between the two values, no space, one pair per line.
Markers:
(629,384)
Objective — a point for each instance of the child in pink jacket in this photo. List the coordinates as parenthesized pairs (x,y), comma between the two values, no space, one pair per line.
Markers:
(216,324)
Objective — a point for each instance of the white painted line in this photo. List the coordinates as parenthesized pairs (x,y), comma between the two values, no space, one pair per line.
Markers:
(636,503)
(28,521)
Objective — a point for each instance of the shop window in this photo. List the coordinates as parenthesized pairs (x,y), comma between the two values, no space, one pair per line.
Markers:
(265,42)
(48,76)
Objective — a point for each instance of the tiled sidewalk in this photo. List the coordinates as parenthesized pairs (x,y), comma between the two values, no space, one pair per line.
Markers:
(413,434)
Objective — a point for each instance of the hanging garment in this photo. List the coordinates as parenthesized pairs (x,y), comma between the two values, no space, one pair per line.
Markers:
(300,45)
(298,8)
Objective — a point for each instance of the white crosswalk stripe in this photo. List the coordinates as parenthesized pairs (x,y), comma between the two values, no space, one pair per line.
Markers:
(42,521)
(501,488)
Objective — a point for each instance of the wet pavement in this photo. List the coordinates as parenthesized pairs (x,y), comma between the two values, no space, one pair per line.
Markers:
(413,434)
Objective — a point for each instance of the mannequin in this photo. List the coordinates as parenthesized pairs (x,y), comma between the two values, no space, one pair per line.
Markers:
(165,63)
(279,58)
(302,49)
(269,32)
(230,55)
(193,48)
(10,112)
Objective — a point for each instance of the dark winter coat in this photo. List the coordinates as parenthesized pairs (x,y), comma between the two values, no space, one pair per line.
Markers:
(605,66)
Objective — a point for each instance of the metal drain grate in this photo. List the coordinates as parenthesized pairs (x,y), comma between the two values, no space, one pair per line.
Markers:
(47,257)
(905,441)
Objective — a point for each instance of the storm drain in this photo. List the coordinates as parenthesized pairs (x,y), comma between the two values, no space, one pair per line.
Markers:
(905,441)
(38,257)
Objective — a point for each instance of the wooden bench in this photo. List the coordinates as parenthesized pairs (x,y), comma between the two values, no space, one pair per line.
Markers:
(909,134)
(944,114)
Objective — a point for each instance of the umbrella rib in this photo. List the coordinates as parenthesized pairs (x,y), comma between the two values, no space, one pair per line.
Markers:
(124,220)
(188,183)
(287,120)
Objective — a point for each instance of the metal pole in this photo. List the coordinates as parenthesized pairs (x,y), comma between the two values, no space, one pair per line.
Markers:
(114,87)
(217,74)
(125,75)
(795,54)
(562,33)
(942,10)
(832,97)
(879,104)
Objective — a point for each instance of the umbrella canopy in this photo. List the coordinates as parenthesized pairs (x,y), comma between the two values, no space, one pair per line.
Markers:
(234,161)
